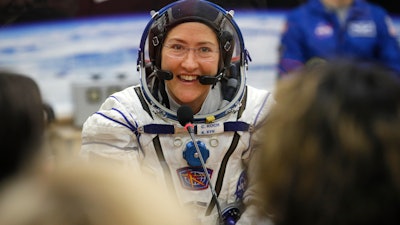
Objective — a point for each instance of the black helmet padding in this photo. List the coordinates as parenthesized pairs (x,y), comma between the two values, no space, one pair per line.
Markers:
(190,11)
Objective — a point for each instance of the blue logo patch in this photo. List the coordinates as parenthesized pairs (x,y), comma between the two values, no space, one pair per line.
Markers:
(193,178)
(323,30)
(241,186)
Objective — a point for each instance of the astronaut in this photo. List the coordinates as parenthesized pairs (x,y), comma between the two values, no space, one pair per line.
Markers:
(191,54)
(326,30)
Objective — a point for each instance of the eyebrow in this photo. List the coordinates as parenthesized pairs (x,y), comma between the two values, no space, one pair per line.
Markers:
(184,42)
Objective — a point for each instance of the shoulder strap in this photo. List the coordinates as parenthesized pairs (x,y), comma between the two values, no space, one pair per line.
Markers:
(232,148)
(143,101)
(222,170)
(164,164)
(157,145)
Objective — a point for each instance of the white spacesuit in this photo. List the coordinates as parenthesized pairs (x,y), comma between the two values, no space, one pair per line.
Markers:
(139,128)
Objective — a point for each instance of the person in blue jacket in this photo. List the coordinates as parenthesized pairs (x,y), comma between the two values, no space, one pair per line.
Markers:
(320,30)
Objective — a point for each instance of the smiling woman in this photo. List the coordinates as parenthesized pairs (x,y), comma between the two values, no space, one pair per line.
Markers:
(188,67)
(219,39)
(192,56)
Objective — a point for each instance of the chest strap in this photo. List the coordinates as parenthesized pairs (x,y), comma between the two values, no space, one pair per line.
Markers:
(199,129)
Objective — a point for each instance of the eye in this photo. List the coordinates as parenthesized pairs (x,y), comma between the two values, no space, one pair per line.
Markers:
(177,47)
(205,50)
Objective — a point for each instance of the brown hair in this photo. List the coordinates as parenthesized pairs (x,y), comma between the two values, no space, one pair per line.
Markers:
(81,193)
(331,150)
(23,123)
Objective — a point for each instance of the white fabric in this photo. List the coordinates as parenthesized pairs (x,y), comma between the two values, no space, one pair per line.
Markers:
(103,135)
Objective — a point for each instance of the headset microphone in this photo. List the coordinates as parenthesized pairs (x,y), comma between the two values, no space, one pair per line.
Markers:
(205,80)
(208,80)
(185,118)
(231,212)
(164,74)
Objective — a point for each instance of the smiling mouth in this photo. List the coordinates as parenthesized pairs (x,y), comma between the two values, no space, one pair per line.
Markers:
(188,78)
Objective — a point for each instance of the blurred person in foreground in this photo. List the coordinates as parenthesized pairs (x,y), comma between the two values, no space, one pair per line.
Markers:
(76,193)
(331,147)
(23,123)
(329,29)
(71,192)
(191,57)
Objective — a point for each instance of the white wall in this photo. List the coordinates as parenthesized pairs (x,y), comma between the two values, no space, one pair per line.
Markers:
(60,55)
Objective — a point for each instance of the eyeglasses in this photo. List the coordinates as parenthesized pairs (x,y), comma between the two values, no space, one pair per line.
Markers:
(203,53)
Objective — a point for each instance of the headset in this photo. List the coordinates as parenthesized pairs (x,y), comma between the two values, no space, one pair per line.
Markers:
(232,65)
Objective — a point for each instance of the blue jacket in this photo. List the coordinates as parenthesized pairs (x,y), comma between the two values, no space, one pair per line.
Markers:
(313,33)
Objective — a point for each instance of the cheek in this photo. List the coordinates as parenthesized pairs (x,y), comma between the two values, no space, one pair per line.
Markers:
(164,61)
(170,64)
(211,67)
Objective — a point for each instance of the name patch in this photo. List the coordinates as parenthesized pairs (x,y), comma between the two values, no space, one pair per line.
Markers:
(362,29)
(211,128)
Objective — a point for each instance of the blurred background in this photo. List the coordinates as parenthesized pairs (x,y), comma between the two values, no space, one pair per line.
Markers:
(81,51)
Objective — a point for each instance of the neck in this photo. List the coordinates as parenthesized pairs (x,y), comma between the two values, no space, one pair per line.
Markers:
(337,3)
(175,103)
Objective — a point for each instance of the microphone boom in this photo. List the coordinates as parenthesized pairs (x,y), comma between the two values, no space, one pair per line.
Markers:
(185,118)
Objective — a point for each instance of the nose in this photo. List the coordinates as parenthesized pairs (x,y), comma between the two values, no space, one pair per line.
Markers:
(190,60)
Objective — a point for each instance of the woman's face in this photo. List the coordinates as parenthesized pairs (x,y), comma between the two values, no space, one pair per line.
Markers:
(190,50)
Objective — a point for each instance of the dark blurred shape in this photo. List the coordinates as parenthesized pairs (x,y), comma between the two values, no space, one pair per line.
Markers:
(285,4)
(240,4)
(110,7)
(91,8)
(23,122)
(40,14)
(390,5)
(16,11)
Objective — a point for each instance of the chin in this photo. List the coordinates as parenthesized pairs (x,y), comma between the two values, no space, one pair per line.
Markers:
(186,99)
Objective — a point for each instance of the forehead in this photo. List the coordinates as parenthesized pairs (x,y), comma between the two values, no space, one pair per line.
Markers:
(192,31)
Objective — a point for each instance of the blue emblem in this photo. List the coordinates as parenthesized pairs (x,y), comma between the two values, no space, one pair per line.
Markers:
(192,157)
(194,178)
(241,186)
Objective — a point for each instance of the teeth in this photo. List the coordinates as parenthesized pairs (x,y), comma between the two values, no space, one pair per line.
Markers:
(188,77)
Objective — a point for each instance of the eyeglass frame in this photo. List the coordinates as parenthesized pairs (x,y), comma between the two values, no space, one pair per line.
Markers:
(185,51)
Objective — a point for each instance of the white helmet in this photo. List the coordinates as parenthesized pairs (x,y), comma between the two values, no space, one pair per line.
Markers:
(233,55)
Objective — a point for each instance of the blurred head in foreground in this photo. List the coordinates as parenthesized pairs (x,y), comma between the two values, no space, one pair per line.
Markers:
(331,150)
(87,194)
(22,122)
